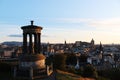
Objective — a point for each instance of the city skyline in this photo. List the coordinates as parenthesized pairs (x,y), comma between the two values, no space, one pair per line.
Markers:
(70,20)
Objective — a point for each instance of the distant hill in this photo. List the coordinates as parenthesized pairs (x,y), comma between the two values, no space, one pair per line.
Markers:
(16,43)
(12,43)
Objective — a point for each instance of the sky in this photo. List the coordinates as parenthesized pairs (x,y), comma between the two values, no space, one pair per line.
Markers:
(70,20)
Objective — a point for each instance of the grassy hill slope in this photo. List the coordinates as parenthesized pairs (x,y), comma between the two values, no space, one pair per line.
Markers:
(61,75)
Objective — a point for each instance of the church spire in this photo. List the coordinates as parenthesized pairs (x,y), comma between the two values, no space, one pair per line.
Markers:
(65,42)
(92,41)
(101,47)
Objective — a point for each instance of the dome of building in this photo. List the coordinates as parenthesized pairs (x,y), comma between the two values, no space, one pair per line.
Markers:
(31,26)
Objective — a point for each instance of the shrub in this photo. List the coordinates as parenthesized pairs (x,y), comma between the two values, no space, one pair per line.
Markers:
(113,74)
(90,71)
(102,78)
(4,67)
(71,59)
(59,61)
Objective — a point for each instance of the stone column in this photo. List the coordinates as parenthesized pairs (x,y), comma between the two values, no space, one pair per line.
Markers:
(35,43)
(39,42)
(25,43)
(30,44)
(31,73)
(15,72)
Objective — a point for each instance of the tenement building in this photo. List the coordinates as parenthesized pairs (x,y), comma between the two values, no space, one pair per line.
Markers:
(32,63)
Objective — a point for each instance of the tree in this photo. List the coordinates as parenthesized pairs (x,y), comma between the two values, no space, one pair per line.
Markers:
(49,60)
(83,58)
(59,61)
(90,71)
(71,59)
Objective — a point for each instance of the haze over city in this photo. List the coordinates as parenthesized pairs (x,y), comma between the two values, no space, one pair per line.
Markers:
(70,20)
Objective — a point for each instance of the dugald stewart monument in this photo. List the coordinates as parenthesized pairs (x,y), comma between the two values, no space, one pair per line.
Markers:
(32,63)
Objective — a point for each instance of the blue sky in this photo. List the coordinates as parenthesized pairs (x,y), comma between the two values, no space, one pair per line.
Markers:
(70,20)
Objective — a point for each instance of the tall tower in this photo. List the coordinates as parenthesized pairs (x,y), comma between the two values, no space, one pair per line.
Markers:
(101,52)
(92,42)
(31,32)
(101,48)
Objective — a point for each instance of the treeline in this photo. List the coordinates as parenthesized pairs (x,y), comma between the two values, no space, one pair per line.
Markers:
(61,61)
(112,74)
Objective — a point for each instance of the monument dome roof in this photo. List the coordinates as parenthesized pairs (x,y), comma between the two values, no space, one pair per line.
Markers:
(31,26)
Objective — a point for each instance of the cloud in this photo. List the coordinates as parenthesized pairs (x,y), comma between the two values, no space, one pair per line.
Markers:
(110,23)
(73,20)
(18,35)
(15,35)
(45,36)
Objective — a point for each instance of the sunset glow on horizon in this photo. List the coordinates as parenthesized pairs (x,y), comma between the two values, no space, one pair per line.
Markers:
(70,20)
